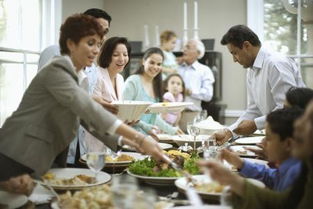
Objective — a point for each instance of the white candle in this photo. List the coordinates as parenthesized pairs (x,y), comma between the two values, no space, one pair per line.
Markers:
(157,36)
(185,15)
(196,14)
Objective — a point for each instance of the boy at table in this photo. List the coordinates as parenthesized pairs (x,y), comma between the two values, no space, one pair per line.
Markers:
(279,133)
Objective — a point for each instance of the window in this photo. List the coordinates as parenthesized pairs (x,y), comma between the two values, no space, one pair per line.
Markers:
(26,27)
(278,29)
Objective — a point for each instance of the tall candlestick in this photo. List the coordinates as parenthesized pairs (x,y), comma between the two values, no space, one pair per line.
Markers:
(196,14)
(185,15)
(157,36)
(146,43)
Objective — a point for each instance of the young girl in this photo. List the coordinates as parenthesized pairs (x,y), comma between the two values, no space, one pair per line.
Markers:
(175,87)
(146,85)
(168,40)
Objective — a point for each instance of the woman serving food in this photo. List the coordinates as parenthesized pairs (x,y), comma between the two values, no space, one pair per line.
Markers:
(53,106)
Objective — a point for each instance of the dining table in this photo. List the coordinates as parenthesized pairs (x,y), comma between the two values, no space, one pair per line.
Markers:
(165,192)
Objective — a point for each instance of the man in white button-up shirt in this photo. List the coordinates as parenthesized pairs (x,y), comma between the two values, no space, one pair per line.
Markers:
(270,76)
(198,78)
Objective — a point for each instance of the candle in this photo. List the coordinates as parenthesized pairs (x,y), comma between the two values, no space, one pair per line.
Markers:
(185,15)
(157,36)
(196,14)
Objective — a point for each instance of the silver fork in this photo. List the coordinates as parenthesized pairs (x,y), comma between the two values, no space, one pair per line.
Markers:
(48,187)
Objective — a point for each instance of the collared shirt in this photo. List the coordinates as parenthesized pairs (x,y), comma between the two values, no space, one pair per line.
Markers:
(277,179)
(270,77)
(199,79)
(88,85)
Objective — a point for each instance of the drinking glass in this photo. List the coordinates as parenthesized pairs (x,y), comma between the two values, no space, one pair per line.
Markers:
(201,116)
(193,131)
(209,149)
(95,161)
(124,189)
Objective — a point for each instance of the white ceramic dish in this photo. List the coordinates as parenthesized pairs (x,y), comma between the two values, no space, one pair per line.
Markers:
(209,126)
(135,155)
(67,173)
(165,138)
(203,207)
(166,107)
(12,200)
(182,183)
(182,139)
(157,181)
(250,140)
(240,149)
(163,146)
(131,110)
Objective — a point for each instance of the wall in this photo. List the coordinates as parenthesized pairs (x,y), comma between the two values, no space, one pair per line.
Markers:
(215,18)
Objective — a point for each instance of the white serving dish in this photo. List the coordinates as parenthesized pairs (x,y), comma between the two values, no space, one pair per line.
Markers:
(131,110)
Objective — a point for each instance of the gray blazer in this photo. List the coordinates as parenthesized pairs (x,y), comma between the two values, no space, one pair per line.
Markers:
(48,117)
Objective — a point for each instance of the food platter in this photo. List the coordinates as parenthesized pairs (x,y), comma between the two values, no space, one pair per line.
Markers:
(156,181)
(167,107)
(68,173)
(182,139)
(119,162)
(241,151)
(163,146)
(250,140)
(212,190)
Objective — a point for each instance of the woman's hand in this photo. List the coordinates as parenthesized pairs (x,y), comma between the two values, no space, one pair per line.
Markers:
(151,147)
(22,184)
(231,158)
(223,175)
(107,105)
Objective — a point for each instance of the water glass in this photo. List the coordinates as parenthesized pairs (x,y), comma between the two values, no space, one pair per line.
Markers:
(210,150)
(95,161)
(124,189)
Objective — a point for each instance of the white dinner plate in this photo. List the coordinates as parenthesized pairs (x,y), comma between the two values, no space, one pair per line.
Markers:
(157,181)
(204,207)
(182,184)
(166,107)
(67,173)
(163,146)
(135,155)
(241,151)
(12,200)
(182,139)
(249,140)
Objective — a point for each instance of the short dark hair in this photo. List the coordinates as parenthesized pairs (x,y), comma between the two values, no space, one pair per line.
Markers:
(76,27)
(281,121)
(299,97)
(105,57)
(165,82)
(238,34)
(98,13)
(157,81)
